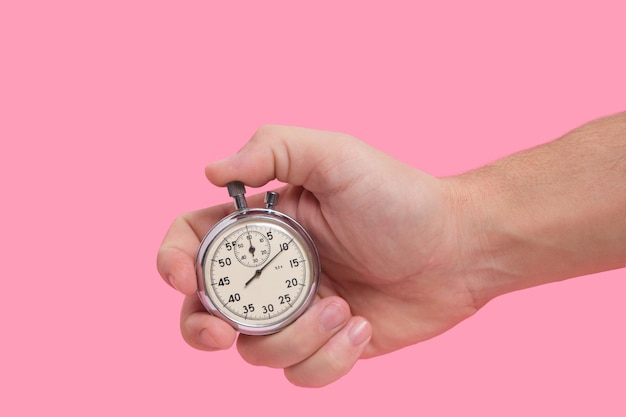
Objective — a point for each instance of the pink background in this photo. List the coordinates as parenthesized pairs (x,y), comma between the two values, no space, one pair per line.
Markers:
(109,111)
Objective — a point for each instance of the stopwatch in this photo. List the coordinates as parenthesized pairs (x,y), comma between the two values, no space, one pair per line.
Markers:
(257,268)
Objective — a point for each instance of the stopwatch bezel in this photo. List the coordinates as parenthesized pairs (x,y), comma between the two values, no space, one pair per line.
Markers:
(258,215)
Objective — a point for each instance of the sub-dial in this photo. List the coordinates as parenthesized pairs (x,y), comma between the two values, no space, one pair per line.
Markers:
(252,248)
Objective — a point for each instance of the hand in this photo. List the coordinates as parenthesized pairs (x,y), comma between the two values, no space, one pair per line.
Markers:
(393,271)
(406,256)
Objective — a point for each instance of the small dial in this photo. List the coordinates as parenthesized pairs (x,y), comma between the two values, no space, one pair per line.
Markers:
(252,248)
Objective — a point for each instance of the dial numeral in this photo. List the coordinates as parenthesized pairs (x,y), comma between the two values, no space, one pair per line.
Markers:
(284,299)
(224,262)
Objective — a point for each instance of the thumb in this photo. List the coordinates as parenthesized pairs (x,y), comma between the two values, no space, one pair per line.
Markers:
(316,160)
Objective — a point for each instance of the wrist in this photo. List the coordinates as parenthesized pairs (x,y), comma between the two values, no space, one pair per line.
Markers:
(476,223)
(513,238)
(547,214)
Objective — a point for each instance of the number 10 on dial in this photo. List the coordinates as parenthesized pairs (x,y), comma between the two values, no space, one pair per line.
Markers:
(257,269)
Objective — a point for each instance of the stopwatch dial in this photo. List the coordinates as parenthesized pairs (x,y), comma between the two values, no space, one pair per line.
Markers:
(252,248)
(261,288)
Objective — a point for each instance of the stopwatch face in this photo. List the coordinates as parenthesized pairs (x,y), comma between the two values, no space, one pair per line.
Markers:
(258,270)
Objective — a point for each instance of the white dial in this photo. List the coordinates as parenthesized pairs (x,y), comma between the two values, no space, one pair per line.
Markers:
(258,269)
(251,290)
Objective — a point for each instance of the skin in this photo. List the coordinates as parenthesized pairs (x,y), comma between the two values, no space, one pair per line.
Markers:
(407,256)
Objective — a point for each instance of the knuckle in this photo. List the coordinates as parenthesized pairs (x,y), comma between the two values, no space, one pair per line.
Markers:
(337,365)
(264,133)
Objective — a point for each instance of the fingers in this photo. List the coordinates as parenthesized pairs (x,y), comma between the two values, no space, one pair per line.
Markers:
(335,359)
(202,330)
(176,256)
(175,259)
(323,319)
(317,349)
(297,156)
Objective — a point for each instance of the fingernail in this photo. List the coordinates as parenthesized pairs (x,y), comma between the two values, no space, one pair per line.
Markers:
(332,317)
(172,282)
(360,332)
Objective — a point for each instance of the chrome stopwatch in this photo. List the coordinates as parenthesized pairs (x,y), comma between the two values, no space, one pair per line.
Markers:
(257,268)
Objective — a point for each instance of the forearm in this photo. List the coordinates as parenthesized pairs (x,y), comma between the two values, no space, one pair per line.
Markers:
(550,213)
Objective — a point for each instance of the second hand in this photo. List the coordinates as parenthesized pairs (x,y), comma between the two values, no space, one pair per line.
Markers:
(258,271)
